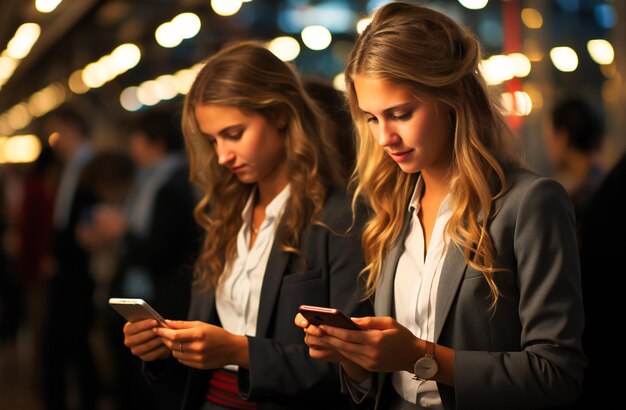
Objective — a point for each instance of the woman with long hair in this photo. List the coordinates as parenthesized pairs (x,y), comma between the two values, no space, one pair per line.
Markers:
(279,232)
(471,259)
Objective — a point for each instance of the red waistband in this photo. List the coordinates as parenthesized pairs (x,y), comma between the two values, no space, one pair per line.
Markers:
(223,391)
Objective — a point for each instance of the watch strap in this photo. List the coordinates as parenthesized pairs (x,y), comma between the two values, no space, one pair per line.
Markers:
(430,349)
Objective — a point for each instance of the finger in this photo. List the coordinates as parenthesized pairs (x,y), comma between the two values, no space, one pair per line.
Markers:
(353,336)
(375,322)
(139,338)
(182,324)
(351,351)
(359,357)
(139,326)
(314,330)
(184,350)
(175,335)
(191,358)
(313,341)
(176,346)
(321,352)
(326,355)
(146,347)
(300,321)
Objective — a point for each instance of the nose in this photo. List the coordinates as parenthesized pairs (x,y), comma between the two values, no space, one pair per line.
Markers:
(387,134)
(224,154)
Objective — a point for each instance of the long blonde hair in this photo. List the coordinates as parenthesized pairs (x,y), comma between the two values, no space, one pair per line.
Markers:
(249,77)
(433,56)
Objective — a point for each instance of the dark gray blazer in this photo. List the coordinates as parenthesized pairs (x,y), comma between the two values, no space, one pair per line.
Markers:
(527,353)
(282,375)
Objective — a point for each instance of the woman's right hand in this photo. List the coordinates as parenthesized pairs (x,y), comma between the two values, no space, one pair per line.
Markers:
(143,342)
(317,351)
(311,338)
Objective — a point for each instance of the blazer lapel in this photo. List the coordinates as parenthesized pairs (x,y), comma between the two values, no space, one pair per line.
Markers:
(451,275)
(274,273)
(383,301)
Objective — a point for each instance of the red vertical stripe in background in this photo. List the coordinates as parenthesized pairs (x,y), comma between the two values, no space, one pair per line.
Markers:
(512,33)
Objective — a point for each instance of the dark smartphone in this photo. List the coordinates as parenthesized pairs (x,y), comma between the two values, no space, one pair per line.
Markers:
(317,315)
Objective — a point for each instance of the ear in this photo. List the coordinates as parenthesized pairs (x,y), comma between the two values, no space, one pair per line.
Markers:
(281,122)
(280,118)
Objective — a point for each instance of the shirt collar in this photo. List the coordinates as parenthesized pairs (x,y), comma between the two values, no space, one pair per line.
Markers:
(272,209)
(414,203)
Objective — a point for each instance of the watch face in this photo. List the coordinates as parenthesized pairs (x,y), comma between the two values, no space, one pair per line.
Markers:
(425,368)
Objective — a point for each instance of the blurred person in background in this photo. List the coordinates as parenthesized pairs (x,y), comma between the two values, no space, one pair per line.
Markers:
(109,176)
(68,361)
(276,219)
(35,220)
(573,139)
(34,241)
(602,256)
(13,178)
(11,308)
(159,242)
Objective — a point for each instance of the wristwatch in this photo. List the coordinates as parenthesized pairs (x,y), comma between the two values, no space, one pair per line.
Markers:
(425,368)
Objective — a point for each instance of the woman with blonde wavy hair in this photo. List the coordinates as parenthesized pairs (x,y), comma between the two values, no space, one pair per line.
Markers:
(471,259)
(277,235)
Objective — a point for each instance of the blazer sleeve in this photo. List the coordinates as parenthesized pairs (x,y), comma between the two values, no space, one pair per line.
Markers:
(548,370)
(280,368)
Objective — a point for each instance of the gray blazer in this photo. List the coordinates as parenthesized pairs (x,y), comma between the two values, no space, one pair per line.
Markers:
(527,353)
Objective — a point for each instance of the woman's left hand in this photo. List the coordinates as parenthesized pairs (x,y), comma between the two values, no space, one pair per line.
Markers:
(203,346)
(384,345)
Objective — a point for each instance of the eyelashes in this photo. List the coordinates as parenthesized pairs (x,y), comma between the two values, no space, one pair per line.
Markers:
(235,136)
(393,117)
(402,117)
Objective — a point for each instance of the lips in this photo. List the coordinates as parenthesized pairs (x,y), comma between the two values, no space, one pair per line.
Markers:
(400,156)
(237,169)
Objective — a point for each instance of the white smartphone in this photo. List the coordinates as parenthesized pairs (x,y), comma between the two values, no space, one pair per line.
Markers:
(135,310)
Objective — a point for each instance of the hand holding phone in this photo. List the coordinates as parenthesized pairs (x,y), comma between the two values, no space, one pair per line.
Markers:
(317,315)
(134,310)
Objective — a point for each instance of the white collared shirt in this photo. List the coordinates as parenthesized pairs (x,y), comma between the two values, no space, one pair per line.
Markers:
(239,288)
(415,293)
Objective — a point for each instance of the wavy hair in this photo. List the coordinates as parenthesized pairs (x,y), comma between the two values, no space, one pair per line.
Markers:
(247,76)
(433,56)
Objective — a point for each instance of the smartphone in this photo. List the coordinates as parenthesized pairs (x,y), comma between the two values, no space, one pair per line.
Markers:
(317,315)
(134,310)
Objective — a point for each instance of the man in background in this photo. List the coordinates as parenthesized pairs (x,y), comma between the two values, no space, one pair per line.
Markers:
(69,290)
(573,141)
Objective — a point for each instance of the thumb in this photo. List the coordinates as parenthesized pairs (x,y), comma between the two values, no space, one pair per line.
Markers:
(300,321)
(375,322)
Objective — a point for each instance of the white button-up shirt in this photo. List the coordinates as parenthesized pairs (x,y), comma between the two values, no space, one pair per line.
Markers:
(239,288)
(415,293)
